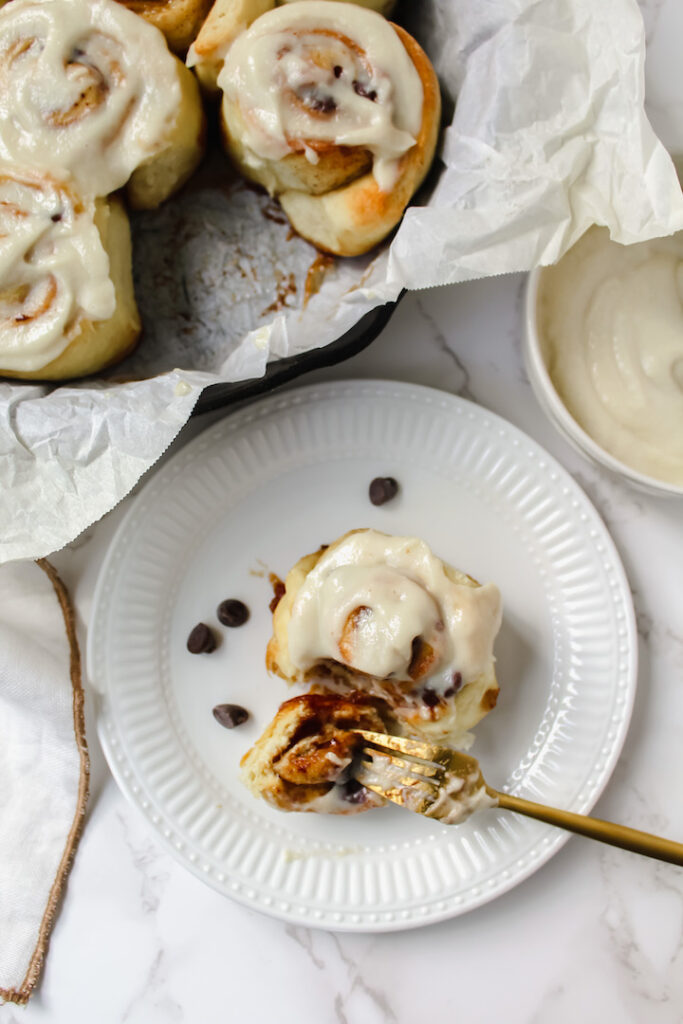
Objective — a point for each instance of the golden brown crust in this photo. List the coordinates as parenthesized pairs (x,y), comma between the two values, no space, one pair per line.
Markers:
(154,181)
(179,20)
(303,760)
(336,203)
(351,220)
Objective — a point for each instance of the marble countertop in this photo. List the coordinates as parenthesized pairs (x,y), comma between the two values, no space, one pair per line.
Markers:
(595,934)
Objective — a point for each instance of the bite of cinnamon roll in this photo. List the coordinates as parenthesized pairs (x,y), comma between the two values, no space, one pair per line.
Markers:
(385,616)
(304,760)
(336,112)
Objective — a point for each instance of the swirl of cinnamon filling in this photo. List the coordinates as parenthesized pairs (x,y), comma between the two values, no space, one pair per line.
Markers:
(386,607)
(54,270)
(89,88)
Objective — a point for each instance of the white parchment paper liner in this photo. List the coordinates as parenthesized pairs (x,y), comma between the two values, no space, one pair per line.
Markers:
(548,136)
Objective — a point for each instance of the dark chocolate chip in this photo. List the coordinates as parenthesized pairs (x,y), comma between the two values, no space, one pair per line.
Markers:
(456,683)
(230,715)
(354,792)
(430,697)
(278,593)
(55,218)
(201,640)
(362,90)
(232,612)
(337,70)
(321,104)
(382,489)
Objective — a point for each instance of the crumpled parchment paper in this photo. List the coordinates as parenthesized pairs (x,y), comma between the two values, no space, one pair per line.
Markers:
(547,137)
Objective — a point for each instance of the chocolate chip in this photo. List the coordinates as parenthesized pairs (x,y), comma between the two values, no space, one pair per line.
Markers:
(55,218)
(382,489)
(232,612)
(230,715)
(337,70)
(430,697)
(353,792)
(201,640)
(278,593)
(362,90)
(321,104)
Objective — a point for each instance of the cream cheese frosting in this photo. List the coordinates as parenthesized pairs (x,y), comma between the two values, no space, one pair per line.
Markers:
(366,85)
(394,590)
(86,86)
(610,323)
(53,268)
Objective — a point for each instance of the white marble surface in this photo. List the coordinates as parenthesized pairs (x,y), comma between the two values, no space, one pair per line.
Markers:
(596,934)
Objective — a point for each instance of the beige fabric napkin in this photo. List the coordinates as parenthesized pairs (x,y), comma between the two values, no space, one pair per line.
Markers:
(43,765)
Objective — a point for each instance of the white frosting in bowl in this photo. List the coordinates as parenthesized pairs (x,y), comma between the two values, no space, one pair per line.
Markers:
(609,320)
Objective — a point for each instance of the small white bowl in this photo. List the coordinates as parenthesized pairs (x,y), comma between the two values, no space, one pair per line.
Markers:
(559,416)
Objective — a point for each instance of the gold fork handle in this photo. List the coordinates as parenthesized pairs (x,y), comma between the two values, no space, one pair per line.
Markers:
(596,828)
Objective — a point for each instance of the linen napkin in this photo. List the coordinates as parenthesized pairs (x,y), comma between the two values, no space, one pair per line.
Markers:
(43,765)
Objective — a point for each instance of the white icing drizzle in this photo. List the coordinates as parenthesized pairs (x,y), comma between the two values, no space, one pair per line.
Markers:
(405,593)
(53,269)
(324,72)
(86,86)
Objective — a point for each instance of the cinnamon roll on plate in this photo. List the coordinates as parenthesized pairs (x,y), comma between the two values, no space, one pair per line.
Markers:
(304,760)
(90,89)
(336,112)
(385,616)
(67,306)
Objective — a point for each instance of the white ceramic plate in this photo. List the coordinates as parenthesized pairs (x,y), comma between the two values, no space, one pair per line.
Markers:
(250,496)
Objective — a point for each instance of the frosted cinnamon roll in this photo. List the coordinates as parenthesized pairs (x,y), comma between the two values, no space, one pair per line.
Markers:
(89,88)
(179,20)
(67,306)
(226,20)
(384,615)
(335,111)
(304,760)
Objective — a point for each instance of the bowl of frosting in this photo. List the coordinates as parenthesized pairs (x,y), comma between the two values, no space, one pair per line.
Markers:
(604,353)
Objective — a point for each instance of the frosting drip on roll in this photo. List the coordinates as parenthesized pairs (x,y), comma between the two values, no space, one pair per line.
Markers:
(85,85)
(314,74)
(53,269)
(384,606)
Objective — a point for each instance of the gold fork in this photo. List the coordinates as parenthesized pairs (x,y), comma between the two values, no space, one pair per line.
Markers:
(448,785)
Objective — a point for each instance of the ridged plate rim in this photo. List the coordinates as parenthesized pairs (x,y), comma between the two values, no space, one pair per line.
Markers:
(247,422)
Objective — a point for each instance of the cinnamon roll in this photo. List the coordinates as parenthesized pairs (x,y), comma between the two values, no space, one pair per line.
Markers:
(224,23)
(335,111)
(384,615)
(89,88)
(304,760)
(179,20)
(67,306)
